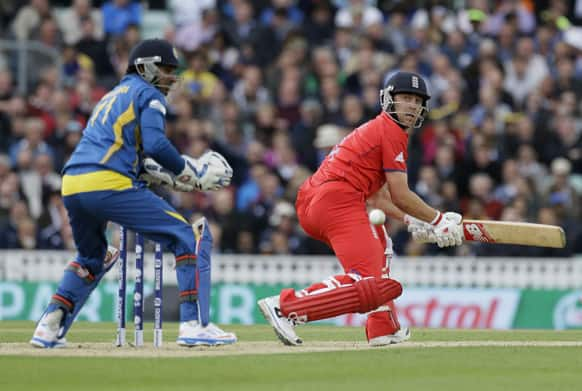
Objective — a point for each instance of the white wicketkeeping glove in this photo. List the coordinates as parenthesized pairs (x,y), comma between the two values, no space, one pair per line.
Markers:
(210,172)
(448,229)
(420,230)
(155,174)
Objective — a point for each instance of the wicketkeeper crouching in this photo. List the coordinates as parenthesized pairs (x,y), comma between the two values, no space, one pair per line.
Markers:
(101,183)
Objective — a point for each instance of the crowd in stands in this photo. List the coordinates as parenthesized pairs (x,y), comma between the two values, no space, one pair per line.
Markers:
(273,85)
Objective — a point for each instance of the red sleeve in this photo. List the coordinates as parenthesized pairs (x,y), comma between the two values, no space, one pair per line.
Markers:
(394,153)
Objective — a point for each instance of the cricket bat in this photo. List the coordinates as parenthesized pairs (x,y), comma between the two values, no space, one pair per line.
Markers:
(508,232)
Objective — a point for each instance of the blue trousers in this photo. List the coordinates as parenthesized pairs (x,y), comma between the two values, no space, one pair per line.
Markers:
(139,210)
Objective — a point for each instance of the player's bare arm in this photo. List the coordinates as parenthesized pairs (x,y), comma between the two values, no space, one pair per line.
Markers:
(447,226)
(383,201)
(406,200)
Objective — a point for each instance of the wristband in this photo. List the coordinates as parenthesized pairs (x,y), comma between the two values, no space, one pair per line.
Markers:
(437,219)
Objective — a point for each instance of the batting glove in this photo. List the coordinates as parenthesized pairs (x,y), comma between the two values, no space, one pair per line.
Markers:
(448,229)
(420,230)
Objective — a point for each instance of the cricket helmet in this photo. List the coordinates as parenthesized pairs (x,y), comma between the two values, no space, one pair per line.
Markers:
(405,82)
(147,55)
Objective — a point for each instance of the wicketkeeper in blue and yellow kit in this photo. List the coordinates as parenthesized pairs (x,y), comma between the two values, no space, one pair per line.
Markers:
(101,183)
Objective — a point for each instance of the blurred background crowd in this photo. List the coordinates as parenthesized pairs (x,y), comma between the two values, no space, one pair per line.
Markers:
(274,84)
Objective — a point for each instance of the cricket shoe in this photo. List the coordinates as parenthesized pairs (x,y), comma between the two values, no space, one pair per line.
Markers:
(400,336)
(283,326)
(193,333)
(47,330)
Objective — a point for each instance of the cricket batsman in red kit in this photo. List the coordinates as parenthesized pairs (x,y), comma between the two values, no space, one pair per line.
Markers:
(368,164)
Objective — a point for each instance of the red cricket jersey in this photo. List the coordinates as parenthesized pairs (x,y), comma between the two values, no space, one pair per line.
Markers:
(364,155)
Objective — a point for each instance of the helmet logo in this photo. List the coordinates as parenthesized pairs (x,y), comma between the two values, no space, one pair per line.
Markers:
(390,88)
(175,52)
(415,82)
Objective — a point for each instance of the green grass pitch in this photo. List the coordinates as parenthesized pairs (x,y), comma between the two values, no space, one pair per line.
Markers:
(331,358)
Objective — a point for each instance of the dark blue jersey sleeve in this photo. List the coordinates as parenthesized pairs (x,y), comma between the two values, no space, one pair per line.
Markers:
(152,124)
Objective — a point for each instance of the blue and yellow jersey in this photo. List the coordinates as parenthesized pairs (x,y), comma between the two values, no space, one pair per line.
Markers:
(126,124)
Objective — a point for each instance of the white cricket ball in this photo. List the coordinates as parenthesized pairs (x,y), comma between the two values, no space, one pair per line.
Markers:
(377,217)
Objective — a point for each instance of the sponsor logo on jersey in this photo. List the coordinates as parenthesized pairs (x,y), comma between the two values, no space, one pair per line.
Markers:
(399,158)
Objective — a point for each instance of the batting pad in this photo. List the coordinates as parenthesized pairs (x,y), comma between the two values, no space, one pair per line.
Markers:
(361,296)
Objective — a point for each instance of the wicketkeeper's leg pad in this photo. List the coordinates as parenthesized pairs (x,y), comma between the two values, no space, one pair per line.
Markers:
(204,243)
(361,295)
(76,286)
(193,272)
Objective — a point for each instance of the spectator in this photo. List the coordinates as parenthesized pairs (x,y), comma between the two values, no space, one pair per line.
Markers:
(56,234)
(38,182)
(196,34)
(366,69)
(570,141)
(257,43)
(529,167)
(525,71)
(560,192)
(457,49)
(303,132)
(8,110)
(481,189)
(357,15)
(447,168)
(289,98)
(507,190)
(249,191)
(119,14)
(29,18)
(72,19)
(11,233)
(318,27)
(328,136)
(199,82)
(282,157)
(48,33)
(92,44)
(27,235)
(566,79)
(32,145)
(259,211)
(249,92)
(185,13)
(228,218)
(282,236)
(86,93)
(490,106)
(512,12)
(427,186)
(73,61)
(352,112)
(9,195)
(397,30)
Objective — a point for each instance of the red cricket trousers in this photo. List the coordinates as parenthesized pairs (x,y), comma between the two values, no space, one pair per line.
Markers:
(335,213)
